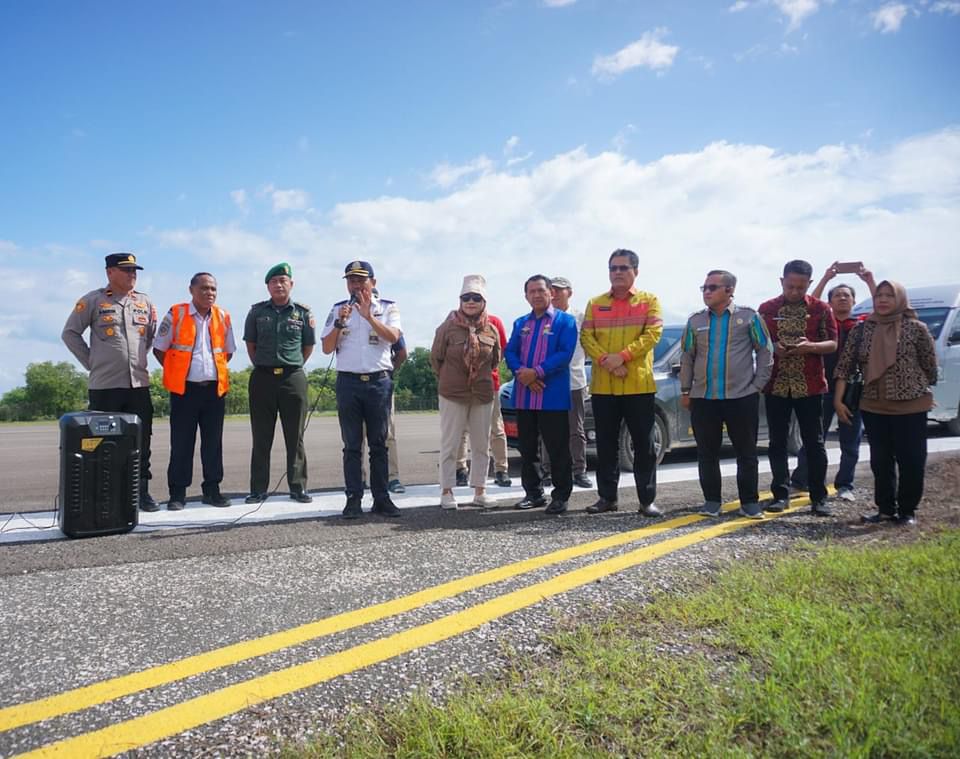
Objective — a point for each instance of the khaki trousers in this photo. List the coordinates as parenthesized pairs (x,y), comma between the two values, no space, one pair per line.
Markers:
(498,441)
(455,420)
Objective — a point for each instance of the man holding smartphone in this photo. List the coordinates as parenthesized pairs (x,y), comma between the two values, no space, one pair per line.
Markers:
(802,329)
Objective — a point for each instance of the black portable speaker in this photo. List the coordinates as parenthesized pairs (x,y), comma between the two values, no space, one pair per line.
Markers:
(99,473)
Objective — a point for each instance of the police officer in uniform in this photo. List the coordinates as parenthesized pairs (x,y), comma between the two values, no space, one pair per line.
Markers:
(122,324)
(280,336)
(361,330)
(194,343)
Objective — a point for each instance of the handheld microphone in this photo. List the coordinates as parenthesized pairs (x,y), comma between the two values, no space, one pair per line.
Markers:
(353,299)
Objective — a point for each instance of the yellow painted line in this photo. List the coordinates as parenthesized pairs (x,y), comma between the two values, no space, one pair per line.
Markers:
(84,697)
(171,720)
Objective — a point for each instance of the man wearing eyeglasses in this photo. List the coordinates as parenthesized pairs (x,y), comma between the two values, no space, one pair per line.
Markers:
(726,362)
(620,329)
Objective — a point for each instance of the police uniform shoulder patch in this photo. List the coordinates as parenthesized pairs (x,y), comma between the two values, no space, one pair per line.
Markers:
(164,328)
(81,305)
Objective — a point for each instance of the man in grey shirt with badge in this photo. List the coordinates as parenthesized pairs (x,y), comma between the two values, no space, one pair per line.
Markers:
(362,330)
(726,362)
(122,324)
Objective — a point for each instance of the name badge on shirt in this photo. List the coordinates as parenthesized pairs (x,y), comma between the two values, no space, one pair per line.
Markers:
(374,338)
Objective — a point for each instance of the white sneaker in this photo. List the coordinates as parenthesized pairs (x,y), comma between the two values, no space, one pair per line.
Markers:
(484,501)
(846,494)
(448,501)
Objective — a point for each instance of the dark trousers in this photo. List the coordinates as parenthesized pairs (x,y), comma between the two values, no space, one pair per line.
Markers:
(364,404)
(130,400)
(809,412)
(578,436)
(609,412)
(898,445)
(554,428)
(272,394)
(199,406)
(741,415)
(849,436)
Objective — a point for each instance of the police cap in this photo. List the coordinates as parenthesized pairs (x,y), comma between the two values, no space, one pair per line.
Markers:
(358,269)
(123,260)
(279,270)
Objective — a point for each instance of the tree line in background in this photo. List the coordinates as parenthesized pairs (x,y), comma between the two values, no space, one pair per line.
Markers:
(53,389)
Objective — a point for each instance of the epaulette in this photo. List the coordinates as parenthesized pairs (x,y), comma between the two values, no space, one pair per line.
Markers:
(260,303)
(340,303)
(388,302)
(301,306)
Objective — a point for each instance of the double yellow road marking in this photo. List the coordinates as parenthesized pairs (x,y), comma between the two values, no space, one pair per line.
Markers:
(171,720)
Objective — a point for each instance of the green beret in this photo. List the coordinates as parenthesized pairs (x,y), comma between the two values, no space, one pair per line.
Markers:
(279,270)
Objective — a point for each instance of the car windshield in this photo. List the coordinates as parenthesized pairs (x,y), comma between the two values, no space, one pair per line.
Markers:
(934,318)
(670,337)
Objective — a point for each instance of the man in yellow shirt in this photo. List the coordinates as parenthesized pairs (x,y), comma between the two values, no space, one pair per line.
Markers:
(620,329)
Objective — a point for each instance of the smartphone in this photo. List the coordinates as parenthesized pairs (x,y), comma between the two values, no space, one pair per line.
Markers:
(848,267)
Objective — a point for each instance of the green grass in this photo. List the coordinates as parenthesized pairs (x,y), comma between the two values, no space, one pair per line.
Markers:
(838,652)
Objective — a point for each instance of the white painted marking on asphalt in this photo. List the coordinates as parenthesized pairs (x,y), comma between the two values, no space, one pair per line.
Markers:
(280,508)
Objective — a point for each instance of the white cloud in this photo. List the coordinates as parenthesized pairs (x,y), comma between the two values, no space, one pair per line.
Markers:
(797,10)
(889,17)
(747,208)
(740,5)
(647,51)
(558,3)
(510,145)
(286,200)
(622,138)
(239,198)
(946,6)
(445,175)
(514,160)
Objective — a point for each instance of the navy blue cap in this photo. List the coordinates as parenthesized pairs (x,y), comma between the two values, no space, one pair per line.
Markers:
(358,269)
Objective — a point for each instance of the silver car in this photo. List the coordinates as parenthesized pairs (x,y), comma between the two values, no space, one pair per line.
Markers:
(672,422)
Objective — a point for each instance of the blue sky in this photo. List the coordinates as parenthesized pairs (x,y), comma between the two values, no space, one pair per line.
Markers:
(438,139)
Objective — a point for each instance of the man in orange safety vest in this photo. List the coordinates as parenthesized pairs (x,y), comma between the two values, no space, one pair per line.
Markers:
(194,343)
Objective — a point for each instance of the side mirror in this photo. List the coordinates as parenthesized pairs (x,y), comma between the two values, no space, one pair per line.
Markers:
(954,338)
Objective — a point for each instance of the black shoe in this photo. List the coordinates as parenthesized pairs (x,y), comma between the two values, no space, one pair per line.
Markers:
(582,481)
(176,504)
(462,479)
(546,481)
(256,498)
(386,507)
(300,496)
(777,505)
(501,479)
(352,510)
(820,509)
(529,502)
(877,518)
(556,507)
(395,486)
(215,498)
(147,503)
(907,520)
(650,510)
(601,506)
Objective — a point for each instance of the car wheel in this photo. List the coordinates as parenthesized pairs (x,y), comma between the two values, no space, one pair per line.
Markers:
(661,443)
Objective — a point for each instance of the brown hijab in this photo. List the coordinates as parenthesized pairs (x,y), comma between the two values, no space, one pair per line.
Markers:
(886,334)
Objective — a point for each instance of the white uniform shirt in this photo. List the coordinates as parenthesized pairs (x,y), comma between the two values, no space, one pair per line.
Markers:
(359,348)
(578,371)
(202,366)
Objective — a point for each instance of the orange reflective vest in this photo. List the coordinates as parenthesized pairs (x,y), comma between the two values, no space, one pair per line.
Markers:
(176,361)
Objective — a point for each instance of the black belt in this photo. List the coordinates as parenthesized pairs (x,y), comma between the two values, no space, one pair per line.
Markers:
(368,377)
(205,383)
(279,370)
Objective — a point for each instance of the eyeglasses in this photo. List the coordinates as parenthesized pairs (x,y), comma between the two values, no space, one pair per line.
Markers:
(471,298)
(620,267)
(711,288)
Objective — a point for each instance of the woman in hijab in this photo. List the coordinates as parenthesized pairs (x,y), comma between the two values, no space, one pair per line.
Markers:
(896,355)
(466,350)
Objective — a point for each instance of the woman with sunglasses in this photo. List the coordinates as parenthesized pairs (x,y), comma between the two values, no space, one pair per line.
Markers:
(466,349)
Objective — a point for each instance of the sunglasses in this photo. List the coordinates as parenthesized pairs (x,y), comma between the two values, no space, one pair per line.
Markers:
(471,298)
(621,267)
(711,288)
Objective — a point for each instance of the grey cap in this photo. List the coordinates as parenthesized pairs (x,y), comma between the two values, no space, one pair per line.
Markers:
(560,282)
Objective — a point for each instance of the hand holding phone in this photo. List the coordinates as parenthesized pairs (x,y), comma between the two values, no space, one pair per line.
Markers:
(848,267)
